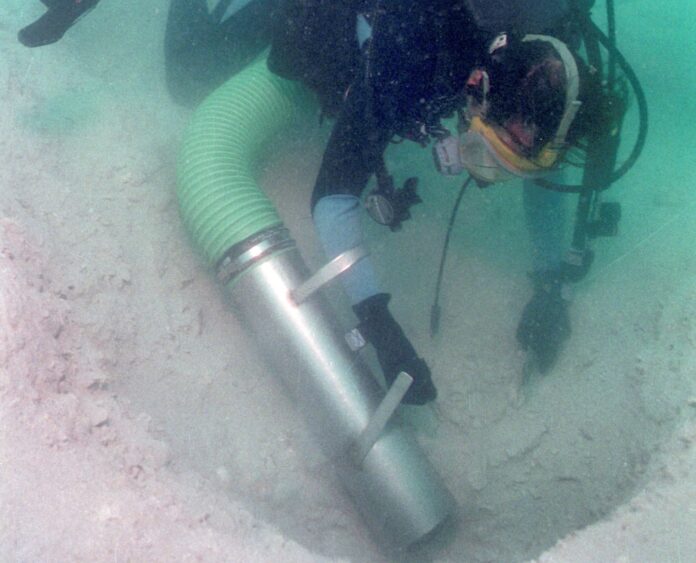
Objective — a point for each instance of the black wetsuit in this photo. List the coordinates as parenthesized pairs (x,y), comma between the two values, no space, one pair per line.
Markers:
(409,74)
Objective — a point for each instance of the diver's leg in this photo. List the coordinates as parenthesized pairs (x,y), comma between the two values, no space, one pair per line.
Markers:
(203,49)
(545,217)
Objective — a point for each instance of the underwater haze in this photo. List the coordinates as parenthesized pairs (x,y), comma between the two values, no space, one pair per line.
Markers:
(136,325)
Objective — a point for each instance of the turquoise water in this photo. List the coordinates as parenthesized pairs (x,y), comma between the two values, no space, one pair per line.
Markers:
(527,466)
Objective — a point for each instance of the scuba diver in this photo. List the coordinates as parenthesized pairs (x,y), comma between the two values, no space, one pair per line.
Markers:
(387,69)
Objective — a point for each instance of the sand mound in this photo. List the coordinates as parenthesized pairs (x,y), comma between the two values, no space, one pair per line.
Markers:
(81,479)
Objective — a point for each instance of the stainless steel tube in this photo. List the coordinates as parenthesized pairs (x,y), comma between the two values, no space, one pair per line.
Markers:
(396,488)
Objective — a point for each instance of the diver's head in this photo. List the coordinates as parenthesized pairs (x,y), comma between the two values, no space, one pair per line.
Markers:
(520,106)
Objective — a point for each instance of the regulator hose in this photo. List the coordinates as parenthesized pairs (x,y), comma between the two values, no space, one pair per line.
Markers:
(616,58)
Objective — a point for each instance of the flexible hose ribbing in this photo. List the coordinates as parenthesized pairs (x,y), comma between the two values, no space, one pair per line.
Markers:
(221,203)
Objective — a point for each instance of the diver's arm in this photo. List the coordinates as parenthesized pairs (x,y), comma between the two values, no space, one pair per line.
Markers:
(353,154)
(545,218)
(59,17)
(545,322)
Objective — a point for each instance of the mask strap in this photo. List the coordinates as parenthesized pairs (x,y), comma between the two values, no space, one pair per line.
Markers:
(572,104)
(478,80)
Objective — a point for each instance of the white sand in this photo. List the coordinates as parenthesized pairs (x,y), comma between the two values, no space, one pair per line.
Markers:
(137,422)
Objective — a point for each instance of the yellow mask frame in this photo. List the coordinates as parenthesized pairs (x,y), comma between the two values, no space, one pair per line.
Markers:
(549,156)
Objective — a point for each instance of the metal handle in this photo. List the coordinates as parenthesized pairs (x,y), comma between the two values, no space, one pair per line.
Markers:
(327,273)
(385,410)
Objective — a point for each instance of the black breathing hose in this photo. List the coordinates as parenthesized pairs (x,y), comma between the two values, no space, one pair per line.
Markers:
(611,35)
(435,310)
(616,58)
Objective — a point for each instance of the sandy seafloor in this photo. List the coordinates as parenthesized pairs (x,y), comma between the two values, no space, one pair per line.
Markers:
(138,422)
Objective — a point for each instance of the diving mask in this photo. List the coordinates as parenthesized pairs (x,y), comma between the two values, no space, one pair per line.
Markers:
(495,153)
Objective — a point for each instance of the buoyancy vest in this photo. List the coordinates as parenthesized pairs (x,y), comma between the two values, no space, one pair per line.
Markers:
(421,54)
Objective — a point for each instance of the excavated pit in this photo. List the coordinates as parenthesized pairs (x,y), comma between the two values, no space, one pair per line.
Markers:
(128,383)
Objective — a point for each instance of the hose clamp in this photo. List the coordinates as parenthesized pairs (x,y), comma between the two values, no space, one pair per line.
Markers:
(245,254)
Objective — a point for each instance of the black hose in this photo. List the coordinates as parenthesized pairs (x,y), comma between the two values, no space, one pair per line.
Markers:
(642,118)
(611,34)
(640,98)
(435,310)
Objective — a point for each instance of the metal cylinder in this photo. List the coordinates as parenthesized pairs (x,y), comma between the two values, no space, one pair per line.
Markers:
(395,488)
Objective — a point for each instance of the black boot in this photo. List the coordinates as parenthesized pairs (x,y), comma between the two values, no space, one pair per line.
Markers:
(394,351)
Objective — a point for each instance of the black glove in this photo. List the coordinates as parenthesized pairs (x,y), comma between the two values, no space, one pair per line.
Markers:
(50,27)
(394,351)
(545,323)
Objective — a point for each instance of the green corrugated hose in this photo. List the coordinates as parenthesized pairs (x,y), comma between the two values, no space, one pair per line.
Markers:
(220,200)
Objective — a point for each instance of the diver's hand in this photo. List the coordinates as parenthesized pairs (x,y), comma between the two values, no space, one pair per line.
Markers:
(545,322)
(394,351)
